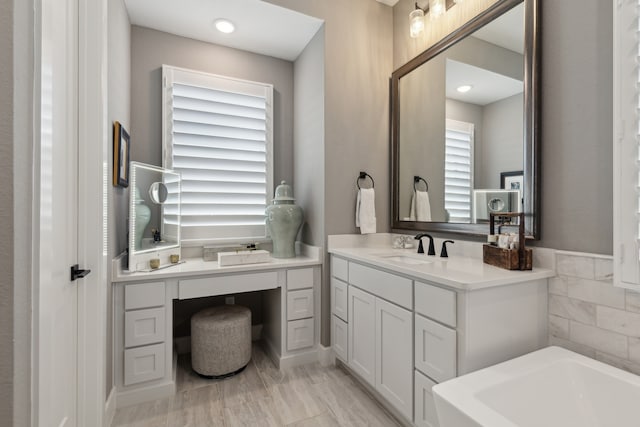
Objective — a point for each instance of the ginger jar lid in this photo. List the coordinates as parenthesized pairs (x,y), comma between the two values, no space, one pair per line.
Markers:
(283,194)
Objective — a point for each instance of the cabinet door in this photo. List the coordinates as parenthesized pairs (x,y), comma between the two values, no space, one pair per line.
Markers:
(362,344)
(425,407)
(143,327)
(394,349)
(299,304)
(339,338)
(435,349)
(339,300)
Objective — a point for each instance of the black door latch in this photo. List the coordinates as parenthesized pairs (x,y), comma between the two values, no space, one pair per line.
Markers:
(76,273)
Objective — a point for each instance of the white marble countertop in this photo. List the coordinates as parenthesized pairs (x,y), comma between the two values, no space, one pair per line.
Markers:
(192,267)
(459,272)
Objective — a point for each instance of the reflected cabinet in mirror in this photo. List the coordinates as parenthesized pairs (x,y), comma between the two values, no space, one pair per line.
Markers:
(464,128)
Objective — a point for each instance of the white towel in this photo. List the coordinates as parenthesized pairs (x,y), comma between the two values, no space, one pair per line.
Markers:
(420,206)
(366,211)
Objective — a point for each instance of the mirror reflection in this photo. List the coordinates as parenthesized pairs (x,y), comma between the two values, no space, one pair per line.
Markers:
(154,220)
(158,193)
(461,130)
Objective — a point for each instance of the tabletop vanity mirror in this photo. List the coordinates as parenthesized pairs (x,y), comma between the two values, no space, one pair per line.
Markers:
(154,215)
(464,134)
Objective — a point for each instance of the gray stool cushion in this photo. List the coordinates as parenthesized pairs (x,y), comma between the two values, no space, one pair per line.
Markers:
(220,340)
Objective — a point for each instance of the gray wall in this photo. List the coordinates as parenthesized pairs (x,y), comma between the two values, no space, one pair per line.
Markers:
(309,149)
(308,138)
(577,125)
(6,210)
(502,133)
(119,83)
(357,64)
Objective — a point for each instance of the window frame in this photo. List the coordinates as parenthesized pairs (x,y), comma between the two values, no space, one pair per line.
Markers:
(171,75)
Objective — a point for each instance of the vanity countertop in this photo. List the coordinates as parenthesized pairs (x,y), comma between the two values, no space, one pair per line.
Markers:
(459,272)
(192,267)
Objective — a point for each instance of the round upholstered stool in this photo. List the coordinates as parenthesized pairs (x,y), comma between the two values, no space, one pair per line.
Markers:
(221,340)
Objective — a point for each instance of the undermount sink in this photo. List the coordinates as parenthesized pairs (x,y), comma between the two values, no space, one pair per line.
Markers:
(406,259)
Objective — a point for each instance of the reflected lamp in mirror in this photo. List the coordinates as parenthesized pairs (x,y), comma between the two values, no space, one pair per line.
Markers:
(154,216)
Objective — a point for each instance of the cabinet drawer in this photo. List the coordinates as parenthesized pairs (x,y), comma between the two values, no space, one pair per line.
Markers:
(142,327)
(425,408)
(299,334)
(206,286)
(339,299)
(396,289)
(435,352)
(339,338)
(143,295)
(143,364)
(300,304)
(300,279)
(340,268)
(436,303)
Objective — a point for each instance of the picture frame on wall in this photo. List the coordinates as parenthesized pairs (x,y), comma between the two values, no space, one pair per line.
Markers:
(512,180)
(121,144)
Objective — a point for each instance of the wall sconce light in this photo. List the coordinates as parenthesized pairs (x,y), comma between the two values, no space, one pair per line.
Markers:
(436,8)
(416,21)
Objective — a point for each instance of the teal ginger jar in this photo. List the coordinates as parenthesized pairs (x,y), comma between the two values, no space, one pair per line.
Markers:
(284,219)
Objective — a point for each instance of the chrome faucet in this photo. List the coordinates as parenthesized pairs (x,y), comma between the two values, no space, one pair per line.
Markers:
(432,249)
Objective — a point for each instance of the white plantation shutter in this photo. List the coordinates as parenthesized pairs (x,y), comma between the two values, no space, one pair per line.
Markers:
(458,170)
(218,135)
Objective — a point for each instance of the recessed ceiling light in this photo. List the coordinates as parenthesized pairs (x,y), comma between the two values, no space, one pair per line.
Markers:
(464,88)
(225,26)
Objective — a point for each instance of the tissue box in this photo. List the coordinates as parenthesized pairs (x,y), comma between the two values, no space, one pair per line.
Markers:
(243,257)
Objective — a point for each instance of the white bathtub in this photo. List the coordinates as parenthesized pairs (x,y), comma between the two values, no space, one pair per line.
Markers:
(552,387)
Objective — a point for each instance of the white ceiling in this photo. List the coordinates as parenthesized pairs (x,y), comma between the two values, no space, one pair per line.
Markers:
(261,27)
(507,31)
(488,86)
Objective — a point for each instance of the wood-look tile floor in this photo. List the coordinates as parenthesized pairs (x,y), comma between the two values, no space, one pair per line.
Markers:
(262,395)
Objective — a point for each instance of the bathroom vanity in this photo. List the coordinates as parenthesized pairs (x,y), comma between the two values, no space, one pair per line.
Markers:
(144,354)
(403,322)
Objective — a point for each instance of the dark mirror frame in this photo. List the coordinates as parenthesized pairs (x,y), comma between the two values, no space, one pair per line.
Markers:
(531,166)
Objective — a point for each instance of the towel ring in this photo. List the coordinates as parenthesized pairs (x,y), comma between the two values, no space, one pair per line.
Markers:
(364,175)
(417,179)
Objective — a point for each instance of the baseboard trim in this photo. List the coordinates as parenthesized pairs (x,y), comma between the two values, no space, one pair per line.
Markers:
(326,357)
(110,408)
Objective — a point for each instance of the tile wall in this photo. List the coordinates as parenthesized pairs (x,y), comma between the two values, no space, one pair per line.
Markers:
(588,315)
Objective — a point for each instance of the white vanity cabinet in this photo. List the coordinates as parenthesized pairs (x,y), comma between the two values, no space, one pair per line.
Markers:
(405,333)
(141,324)
(379,331)
(144,354)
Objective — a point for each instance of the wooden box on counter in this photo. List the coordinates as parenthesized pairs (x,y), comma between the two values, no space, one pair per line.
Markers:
(510,259)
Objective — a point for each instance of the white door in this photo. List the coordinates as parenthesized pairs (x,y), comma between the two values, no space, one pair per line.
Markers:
(436,349)
(394,351)
(57,302)
(362,344)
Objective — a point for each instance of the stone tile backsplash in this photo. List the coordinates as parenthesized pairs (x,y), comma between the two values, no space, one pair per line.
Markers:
(588,315)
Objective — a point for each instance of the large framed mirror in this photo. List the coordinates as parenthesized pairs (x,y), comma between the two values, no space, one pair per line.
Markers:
(464,126)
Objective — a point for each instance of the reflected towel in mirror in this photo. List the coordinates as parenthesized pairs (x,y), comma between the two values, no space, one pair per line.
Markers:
(420,206)
(366,211)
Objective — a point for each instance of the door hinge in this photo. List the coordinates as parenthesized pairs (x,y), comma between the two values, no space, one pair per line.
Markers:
(77,273)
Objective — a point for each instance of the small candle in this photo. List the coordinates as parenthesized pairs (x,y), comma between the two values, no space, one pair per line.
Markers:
(154,263)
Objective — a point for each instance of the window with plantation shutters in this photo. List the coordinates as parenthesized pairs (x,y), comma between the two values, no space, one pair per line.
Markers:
(218,135)
(458,170)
